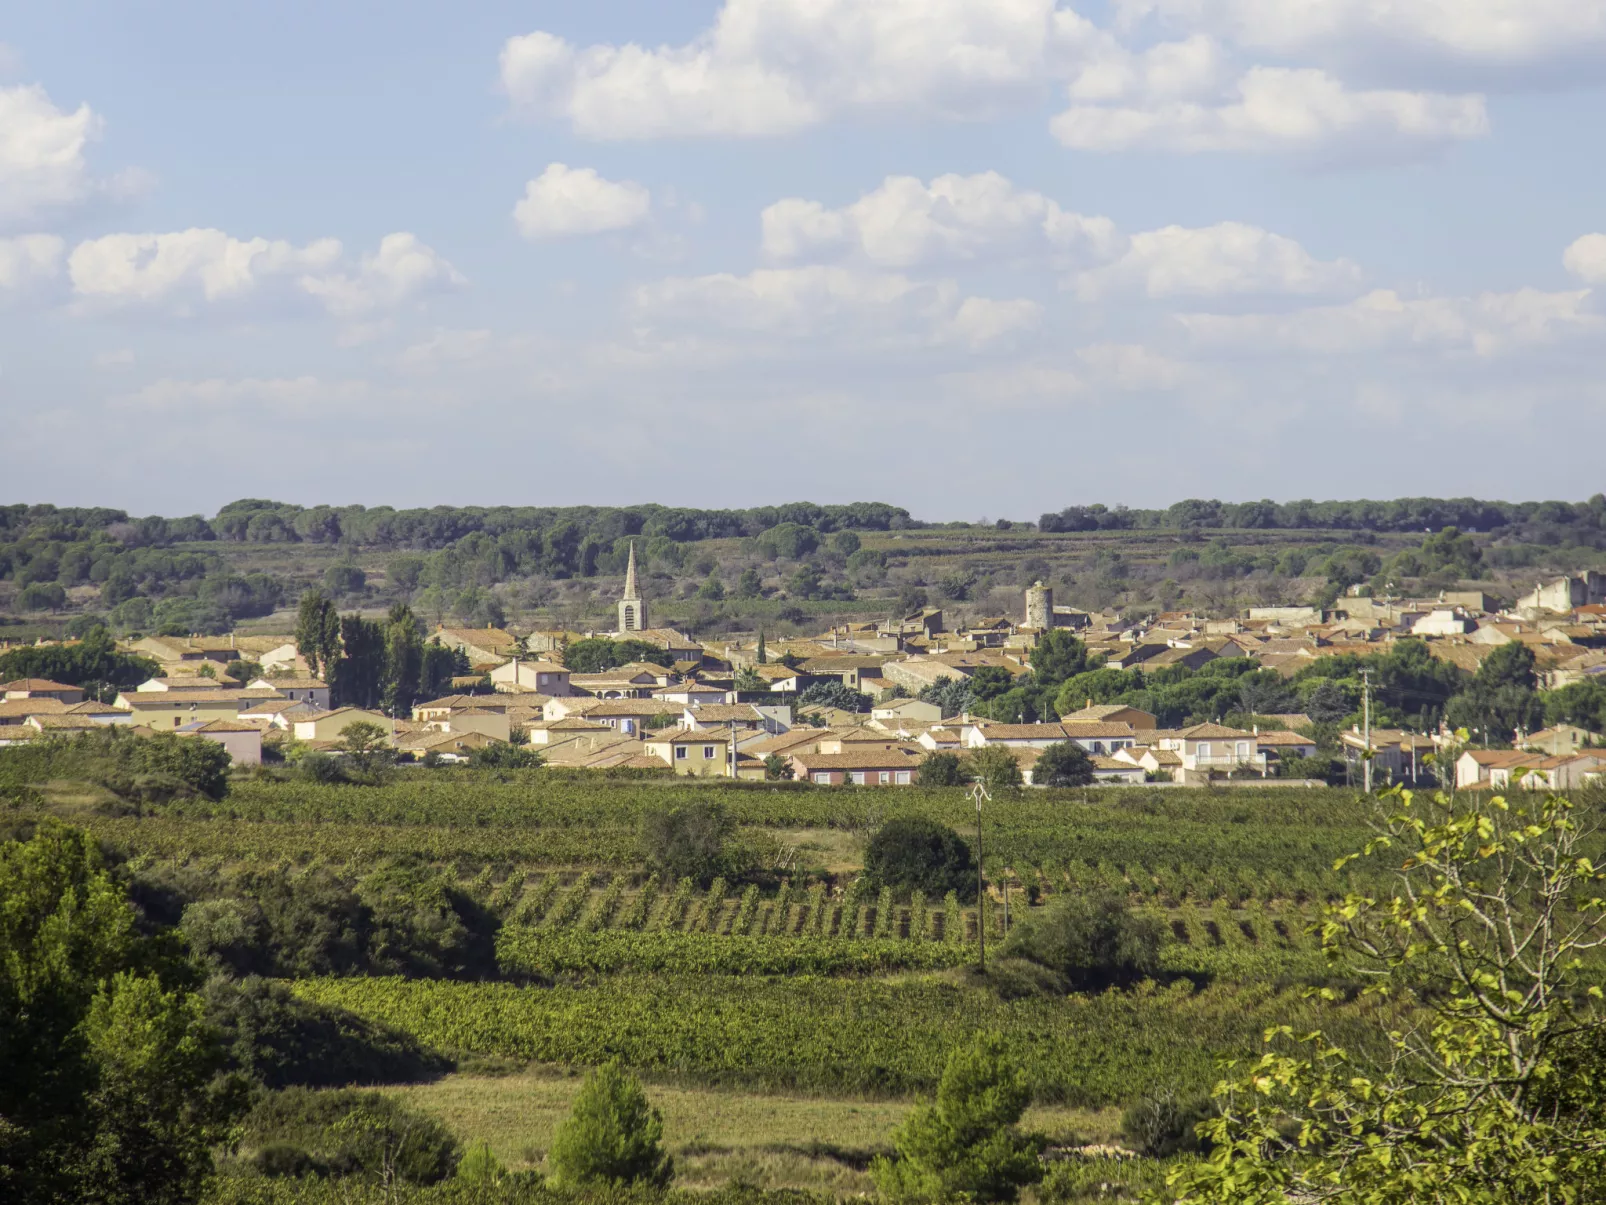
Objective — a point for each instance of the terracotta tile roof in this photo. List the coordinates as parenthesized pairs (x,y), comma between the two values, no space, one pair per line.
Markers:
(1038,732)
(864,759)
(1206,732)
(26,707)
(1088,731)
(35,684)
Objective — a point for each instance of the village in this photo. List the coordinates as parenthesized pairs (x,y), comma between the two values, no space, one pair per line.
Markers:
(739,707)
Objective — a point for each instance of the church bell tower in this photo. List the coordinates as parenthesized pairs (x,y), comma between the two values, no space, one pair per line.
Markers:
(632,610)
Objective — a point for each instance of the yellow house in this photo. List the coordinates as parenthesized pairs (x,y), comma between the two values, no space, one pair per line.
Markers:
(167,710)
(328,725)
(699,754)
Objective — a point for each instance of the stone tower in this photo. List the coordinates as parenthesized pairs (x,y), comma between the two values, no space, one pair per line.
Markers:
(632,610)
(1039,607)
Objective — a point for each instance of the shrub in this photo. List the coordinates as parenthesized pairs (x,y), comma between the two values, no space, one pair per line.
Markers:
(611,1135)
(688,842)
(504,756)
(480,1165)
(994,767)
(965,1143)
(348,1132)
(1091,942)
(1163,1124)
(914,854)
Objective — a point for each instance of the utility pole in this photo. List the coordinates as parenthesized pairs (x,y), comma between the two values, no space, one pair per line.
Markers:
(1366,722)
(978,793)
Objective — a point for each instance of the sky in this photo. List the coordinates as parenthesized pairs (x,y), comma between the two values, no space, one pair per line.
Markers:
(977,258)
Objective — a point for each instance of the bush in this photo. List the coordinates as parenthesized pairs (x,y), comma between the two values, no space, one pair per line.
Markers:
(348,1132)
(965,1144)
(1165,1124)
(1065,764)
(611,1135)
(1092,942)
(689,842)
(914,854)
(941,770)
(277,1040)
(505,756)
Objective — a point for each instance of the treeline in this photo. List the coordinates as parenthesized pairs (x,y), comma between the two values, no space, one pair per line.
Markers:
(1401,514)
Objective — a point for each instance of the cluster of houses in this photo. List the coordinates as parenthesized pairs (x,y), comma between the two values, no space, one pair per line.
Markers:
(729,708)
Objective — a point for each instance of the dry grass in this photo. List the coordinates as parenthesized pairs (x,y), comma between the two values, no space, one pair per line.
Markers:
(716,1136)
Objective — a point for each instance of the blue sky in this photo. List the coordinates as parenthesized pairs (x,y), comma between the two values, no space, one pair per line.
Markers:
(975,257)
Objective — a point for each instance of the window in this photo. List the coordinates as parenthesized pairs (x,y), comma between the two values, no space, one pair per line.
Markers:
(822,778)
(708,751)
(903,778)
(857,776)
(1243,748)
(886,777)
(1204,749)
(1098,746)
(680,752)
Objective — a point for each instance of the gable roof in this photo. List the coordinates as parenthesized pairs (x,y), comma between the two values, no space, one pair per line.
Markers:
(861,759)
(1205,732)
(35,684)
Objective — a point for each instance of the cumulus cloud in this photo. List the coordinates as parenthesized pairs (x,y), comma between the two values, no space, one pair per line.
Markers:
(29,260)
(984,218)
(1490,35)
(402,269)
(1382,321)
(1280,109)
(775,66)
(209,265)
(905,223)
(1586,259)
(42,165)
(564,201)
(832,300)
(1227,259)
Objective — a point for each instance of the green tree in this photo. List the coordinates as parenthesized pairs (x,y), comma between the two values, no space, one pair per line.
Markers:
(777,768)
(965,1145)
(749,585)
(1057,656)
(1501,697)
(910,853)
(990,681)
(344,579)
(712,589)
(108,1092)
(366,747)
(835,694)
(763,652)
(748,678)
(318,634)
(689,841)
(243,672)
(612,1136)
(437,666)
(940,770)
(1490,1088)
(505,756)
(359,677)
(93,663)
(404,661)
(1063,764)
(994,766)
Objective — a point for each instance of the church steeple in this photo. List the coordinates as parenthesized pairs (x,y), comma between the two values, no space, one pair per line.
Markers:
(630,593)
(632,610)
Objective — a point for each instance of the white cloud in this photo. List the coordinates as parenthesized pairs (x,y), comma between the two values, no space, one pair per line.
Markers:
(1586,259)
(1131,366)
(41,153)
(905,223)
(29,260)
(208,265)
(1485,325)
(776,66)
(1281,109)
(832,300)
(446,347)
(564,201)
(1498,34)
(403,268)
(1217,261)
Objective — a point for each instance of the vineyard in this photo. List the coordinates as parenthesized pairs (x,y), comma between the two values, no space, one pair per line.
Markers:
(1162,847)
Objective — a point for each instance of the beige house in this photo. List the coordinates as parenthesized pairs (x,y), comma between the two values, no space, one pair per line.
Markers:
(167,711)
(41,688)
(448,746)
(243,741)
(1112,713)
(15,712)
(907,710)
(485,721)
(1559,740)
(485,646)
(328,725)
(857,767)
(303,690)
(693,694)
(627,682)
(686,751)
(172,649)
(543,677)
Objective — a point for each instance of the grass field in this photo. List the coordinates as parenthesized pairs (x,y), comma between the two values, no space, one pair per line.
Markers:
(770,1141)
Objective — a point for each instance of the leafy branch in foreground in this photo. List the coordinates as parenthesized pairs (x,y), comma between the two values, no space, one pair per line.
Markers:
(1489,1090)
